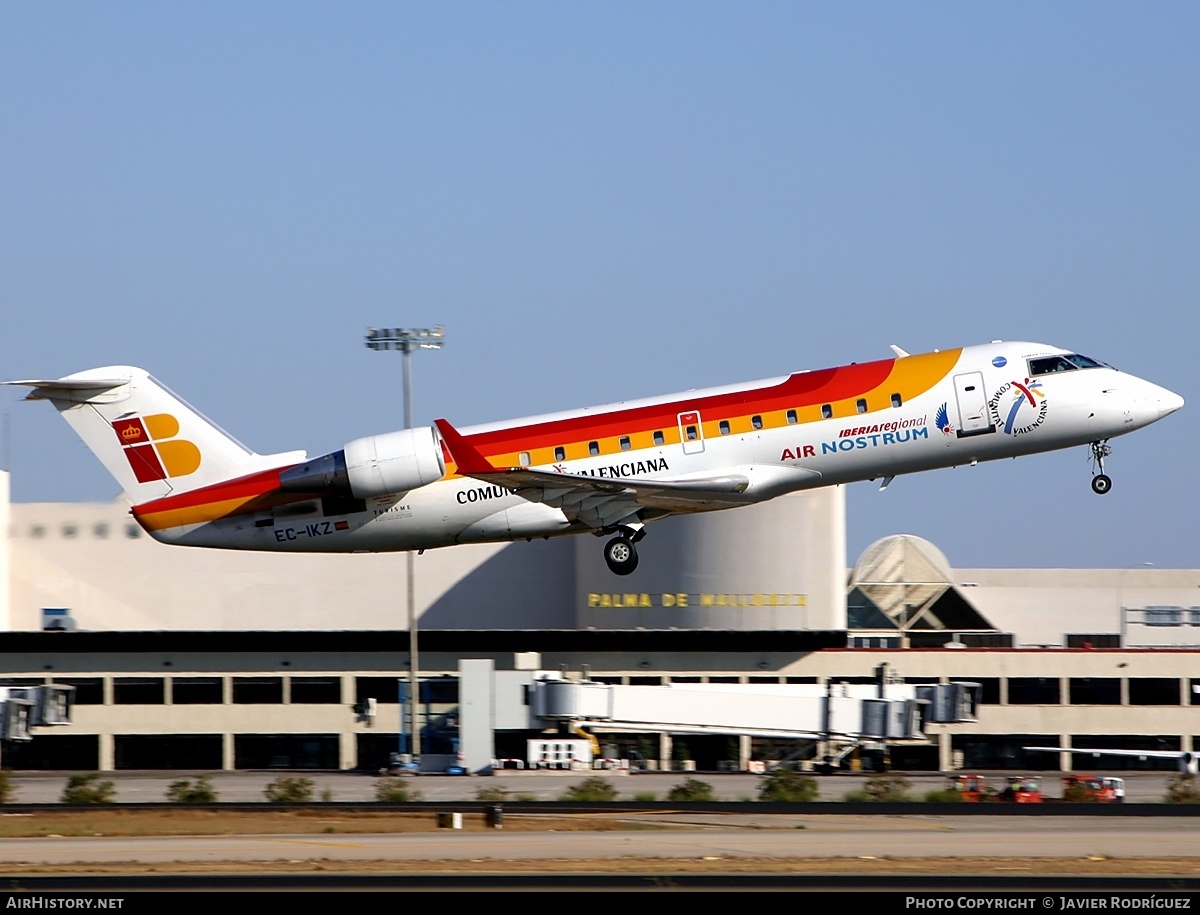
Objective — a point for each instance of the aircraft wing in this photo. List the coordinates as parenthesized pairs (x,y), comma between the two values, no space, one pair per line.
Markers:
(1188,760)
(598,502)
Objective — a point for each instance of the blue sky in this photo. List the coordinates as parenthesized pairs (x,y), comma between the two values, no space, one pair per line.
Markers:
(605,201)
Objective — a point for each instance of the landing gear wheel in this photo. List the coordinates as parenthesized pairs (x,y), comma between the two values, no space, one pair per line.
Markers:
(620,555)
(1100,482)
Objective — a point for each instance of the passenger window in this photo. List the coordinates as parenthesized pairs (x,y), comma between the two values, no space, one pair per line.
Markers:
(560,453)
(625,444)
(826,411)
(691,433)
(523,458)
(593,448)
(897,400)
(723,426)
(658,437)
(756,421)
(791,417)
(862,405)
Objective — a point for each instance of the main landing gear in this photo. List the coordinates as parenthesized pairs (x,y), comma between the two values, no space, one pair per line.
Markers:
(621,555)
(620,552)
(1101,482)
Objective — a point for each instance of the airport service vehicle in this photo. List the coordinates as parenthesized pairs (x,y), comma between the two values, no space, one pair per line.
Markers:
(974,789)
(1021,790)
(971,788)
(1100,789)
(608,470)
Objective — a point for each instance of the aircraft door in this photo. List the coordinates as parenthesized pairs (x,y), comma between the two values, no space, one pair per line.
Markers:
(973,418)
(691,432)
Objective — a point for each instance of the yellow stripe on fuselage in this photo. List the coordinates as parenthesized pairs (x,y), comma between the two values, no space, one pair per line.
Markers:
(910,377)
(195,514)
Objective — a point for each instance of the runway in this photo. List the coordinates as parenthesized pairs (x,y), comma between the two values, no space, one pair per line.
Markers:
(707,850)
(659,838)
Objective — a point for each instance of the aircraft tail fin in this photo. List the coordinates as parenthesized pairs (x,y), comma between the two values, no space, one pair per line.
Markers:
(151,441)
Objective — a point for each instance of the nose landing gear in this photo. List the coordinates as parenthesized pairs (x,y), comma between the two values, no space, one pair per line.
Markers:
(1101,482)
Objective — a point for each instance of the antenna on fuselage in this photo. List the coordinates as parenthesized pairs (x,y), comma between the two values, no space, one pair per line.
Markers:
(900,354)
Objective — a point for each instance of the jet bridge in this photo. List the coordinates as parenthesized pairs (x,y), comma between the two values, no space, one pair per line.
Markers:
(843,715)
(25,707)
(838,712)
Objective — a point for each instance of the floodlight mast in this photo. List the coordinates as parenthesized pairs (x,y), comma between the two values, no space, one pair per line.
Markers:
(405,341)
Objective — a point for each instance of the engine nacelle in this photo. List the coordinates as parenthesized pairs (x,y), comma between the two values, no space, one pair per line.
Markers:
(394,462)
(377,465)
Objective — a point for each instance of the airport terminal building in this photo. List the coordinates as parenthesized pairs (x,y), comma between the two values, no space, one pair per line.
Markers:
(187,658)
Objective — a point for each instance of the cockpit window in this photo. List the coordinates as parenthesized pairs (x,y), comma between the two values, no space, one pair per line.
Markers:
(1069,363)
(1049,364)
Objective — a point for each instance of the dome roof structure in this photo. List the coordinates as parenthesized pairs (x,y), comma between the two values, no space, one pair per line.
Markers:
(905,582)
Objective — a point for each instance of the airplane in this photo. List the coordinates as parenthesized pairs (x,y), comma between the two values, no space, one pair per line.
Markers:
(607,470)
(1187,762)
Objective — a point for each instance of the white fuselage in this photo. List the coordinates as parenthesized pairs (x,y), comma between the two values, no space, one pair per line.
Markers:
(987,406)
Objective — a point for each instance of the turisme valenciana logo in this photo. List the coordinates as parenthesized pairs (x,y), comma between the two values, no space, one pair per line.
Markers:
(1018,406)
(152,449)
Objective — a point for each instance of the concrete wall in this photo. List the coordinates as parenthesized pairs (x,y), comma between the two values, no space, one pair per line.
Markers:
(777,565)
(93,559)
(780,565)
(1041,605)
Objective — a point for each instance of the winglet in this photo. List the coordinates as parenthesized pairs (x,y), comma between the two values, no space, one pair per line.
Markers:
(468,460)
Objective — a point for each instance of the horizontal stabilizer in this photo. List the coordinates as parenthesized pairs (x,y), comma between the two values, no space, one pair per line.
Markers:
(79,390)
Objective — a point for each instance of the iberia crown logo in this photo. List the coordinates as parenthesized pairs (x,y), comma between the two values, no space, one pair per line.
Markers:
(152,449)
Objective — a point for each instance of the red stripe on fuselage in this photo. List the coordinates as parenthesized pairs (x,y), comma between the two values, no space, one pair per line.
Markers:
(801,390)
(263,483)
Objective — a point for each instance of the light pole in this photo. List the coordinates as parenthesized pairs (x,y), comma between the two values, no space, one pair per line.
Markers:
(405,340)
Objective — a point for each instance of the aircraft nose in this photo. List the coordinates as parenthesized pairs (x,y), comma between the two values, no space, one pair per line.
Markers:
(1168,402)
